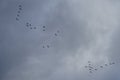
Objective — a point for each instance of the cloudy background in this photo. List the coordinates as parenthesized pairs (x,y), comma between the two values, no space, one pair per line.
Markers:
(89,31)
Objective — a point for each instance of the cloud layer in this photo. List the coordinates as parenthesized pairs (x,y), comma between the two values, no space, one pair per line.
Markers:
(89,31)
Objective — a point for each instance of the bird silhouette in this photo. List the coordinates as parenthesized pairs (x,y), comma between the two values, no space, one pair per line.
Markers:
(43,46)
(20,6)
(48,46)
(18,15)
(43,26)
(17,19)
(55,34)
(101,66)
(18,11)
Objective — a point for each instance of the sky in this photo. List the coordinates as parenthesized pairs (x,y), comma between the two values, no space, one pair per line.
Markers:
(59,40)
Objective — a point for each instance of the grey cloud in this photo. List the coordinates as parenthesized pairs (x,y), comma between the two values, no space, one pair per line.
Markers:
(88,31)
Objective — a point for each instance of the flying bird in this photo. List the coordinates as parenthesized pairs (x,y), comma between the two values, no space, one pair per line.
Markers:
(18,11)
(90,69)
(89,61)
(101,66)
(48,46)
(43,46)
(96,69)
(20,8)
(86,66)
(55,34)
(43,26)
(18,15)
(106,65)
(17,19)
(113,62)
(27,24)
(30,24)
(20,5)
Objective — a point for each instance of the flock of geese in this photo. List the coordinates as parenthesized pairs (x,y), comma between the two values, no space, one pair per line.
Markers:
(94,70)
(18,13)
(90,67)
(32,27)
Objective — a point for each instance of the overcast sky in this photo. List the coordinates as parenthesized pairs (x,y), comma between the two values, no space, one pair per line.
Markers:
(76,32)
